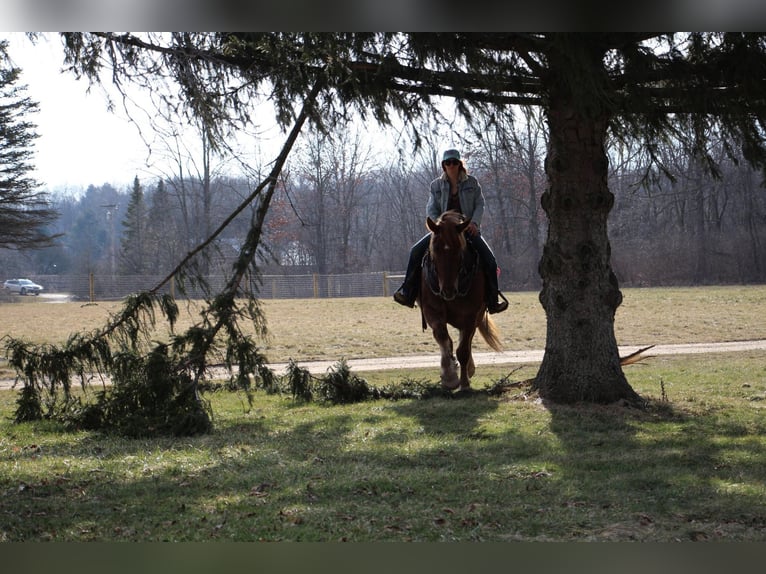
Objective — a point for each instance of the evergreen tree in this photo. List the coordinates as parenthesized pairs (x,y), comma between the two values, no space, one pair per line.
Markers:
(24,211)
(133,242)
(161,238)
(637,87)
(87,241)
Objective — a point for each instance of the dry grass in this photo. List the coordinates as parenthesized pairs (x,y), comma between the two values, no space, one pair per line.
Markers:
(315,329)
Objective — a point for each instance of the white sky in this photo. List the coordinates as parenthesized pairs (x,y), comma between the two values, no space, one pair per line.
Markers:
(80,141)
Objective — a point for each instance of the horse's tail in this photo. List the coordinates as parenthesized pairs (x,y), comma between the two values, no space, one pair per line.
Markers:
(490,332)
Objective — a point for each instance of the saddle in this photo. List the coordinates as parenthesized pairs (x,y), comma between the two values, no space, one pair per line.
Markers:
(468,268)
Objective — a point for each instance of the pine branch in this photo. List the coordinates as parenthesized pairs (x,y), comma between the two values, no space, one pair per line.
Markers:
(118,349)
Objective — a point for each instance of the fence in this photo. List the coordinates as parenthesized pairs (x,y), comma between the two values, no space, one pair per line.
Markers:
(95,287)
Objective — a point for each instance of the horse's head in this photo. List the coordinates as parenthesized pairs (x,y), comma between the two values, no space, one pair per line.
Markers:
(446,248)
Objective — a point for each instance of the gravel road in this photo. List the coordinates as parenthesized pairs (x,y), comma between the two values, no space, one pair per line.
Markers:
(512,357)
(501,358)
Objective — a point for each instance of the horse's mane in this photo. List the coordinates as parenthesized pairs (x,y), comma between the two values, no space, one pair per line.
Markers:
(451,216)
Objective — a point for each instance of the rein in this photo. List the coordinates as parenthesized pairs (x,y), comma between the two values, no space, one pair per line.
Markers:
(469,263)
(452,234)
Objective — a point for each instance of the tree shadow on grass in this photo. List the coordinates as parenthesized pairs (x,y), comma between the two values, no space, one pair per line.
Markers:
(662,466)
(440,469)
(459,413)
(320,474)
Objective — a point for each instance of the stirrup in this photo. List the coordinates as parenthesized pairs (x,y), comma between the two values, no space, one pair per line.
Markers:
(498,306)
(402,299)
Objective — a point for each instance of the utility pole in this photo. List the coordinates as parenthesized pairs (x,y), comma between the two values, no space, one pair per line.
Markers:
(111,208)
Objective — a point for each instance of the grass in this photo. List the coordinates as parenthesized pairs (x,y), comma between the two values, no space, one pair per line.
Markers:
(316,329)
(692,466)
(470,469)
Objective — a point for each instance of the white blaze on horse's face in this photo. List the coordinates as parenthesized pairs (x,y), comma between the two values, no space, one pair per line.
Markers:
(447,244)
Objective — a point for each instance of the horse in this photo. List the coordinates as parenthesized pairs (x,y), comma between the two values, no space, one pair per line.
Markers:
(452,293)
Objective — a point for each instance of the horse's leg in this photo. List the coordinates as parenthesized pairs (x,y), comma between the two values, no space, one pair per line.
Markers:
(465,357)
(449,376)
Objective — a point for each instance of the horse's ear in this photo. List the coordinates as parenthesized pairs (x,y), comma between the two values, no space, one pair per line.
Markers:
(431,224)
(461,227)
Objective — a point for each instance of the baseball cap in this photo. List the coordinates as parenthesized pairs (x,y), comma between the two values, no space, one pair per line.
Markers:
(451,154)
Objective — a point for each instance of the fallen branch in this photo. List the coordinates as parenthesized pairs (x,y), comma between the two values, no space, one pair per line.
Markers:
(635,357)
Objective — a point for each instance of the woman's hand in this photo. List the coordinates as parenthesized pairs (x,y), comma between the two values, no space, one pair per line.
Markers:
(472,230)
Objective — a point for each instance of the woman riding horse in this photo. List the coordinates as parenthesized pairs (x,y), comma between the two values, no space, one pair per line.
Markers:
(458,191)
(452,293)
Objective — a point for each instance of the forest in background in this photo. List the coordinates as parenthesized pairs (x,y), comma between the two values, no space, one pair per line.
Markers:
(343,206)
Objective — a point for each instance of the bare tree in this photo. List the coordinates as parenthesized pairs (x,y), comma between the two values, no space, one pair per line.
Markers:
(331,178)
(511,150)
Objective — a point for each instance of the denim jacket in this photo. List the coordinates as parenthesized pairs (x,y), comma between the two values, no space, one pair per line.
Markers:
(469,192)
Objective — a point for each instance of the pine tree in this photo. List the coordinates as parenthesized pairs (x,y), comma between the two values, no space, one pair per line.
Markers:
(651,88)
(24,211)
(161,239)
(133,242)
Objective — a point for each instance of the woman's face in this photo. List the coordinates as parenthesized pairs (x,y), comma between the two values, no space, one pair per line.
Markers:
(451,166)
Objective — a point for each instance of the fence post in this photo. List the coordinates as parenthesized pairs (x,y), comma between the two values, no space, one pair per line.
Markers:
(316,286)
(385,284)
(91,288)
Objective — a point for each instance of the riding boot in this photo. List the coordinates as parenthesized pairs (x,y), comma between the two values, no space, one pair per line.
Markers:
(408,292)
(493,292)
(489,263)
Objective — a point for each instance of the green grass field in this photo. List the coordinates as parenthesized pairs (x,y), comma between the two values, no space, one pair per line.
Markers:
(690,467)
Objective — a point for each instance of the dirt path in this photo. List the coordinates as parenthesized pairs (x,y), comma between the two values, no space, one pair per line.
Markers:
(512,357)
(502,358)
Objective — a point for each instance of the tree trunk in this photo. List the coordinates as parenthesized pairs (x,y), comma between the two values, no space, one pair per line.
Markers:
(580,293)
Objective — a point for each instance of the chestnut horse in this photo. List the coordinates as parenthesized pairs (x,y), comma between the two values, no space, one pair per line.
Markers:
(452,293)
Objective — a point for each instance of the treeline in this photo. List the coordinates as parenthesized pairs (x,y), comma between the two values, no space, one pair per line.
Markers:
(345,206)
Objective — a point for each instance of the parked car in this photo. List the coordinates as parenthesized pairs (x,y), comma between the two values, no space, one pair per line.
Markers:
(22,287)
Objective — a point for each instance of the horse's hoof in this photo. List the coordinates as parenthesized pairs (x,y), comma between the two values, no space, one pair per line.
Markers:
(450,385)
